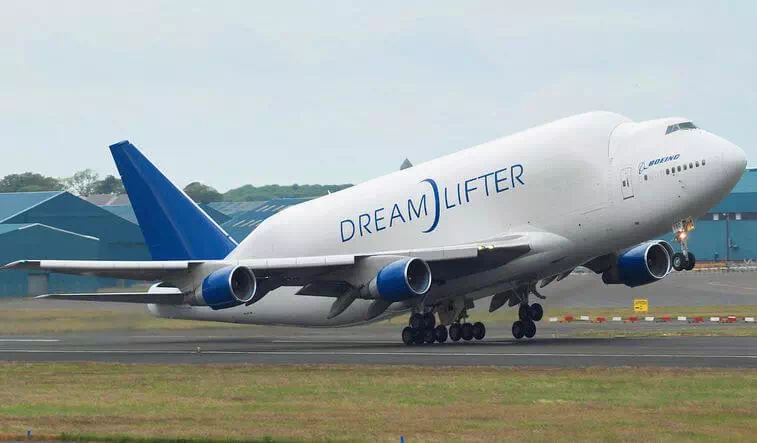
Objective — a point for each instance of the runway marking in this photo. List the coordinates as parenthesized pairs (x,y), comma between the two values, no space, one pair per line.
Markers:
(26,340)
(367,353)
(733,286)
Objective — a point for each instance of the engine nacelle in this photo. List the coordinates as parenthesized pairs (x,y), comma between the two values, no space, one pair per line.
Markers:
(228,287)
(400,280)
(640,265)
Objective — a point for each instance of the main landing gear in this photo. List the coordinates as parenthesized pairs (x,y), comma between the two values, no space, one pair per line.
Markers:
(683,260)
(424,330)
(528,315)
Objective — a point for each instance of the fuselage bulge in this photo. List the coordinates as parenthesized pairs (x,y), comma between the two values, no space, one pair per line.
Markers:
(595,182)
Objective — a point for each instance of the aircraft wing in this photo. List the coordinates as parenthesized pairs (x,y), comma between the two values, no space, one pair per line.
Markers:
(445,262)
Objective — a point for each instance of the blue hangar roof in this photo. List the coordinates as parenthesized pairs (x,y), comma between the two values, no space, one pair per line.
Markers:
(245,222)
(13,203)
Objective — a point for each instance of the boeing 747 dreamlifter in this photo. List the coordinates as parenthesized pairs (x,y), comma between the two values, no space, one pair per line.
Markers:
(498,220)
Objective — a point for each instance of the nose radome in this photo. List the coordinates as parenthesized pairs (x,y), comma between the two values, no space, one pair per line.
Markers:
(734,160)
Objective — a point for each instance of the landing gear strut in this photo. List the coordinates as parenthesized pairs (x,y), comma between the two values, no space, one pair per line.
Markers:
(683,260)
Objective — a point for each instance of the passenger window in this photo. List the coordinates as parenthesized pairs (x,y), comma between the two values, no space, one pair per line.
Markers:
(667,171)
(624,183)
(697,163)
(684,167)
(691,165)
(645,177)
(679,169)
(702,162)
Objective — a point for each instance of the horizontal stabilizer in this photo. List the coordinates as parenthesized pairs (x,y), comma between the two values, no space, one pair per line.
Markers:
(121,297)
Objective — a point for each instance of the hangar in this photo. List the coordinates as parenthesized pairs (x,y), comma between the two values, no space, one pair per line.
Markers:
(60,225)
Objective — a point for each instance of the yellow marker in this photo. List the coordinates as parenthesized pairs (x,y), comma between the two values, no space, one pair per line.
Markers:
(640,305)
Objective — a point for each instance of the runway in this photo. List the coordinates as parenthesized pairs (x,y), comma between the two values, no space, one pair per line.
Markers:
(554,346)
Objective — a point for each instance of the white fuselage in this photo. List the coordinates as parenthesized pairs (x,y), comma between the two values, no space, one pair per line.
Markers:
(598,181)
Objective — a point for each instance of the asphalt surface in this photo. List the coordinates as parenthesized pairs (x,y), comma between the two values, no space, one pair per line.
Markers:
(555,346)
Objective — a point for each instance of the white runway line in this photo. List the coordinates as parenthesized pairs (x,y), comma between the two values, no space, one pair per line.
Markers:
(29,340)
(368,353)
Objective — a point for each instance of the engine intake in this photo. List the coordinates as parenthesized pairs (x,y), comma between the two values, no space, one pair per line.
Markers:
(640,265)
(400,280)
(228,287)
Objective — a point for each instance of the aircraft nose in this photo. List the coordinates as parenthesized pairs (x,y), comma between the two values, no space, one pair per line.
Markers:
(734,160)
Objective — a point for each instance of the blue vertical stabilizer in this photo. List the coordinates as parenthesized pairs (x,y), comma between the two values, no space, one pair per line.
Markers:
(174,227)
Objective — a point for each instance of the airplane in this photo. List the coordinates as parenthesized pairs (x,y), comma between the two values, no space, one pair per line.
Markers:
(500,220)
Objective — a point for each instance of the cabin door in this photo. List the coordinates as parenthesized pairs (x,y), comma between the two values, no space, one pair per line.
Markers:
(626,186)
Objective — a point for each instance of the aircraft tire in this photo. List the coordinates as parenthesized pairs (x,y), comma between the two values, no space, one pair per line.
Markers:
(679,262)
(530,329)
(518,329)
(441,333)
(416,321)
(454,332)
(537,312)
(428,336)
(408,336)
(479,330)
(690,261)
(467,331)
(524,312)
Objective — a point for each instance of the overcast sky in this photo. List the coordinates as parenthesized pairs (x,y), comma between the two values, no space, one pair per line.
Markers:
(230,93)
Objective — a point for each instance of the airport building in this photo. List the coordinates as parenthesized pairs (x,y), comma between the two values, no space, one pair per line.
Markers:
(60,225)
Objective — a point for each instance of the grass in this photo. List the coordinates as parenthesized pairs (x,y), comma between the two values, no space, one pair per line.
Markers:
(17,321)
(376,403)
(79,318)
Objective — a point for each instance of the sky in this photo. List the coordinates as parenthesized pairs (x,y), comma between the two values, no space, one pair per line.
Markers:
(262,92)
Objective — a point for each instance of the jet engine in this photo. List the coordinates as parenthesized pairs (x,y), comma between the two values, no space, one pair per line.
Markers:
(400,280)
(228,287)
(640,265)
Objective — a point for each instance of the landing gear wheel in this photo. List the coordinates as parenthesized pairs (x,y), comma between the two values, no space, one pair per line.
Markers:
(679,262)
(524,313)
(408,336)
(479,330)
(467,331)
(690,261)
(537,312)
(441,333)
(429,321)
(530,329)
(429,336)
(416,321)
(454,332)
(518,329)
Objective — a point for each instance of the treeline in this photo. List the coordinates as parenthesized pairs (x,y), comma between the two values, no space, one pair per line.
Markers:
(88,182)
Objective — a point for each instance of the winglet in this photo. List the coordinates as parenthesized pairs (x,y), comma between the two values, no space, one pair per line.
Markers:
(174,227)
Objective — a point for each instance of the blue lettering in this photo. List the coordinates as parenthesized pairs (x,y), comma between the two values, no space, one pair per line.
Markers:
(459,200)
(486,182)
(411,208)
(364,225)
(352,234)
(446,200)
(513,177)
(497,180)
(396,213)
(376,219)
(469,190)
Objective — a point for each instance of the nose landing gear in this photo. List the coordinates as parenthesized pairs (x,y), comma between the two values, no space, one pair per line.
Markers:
(683,260)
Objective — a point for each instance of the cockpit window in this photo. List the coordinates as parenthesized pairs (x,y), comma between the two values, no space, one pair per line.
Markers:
(678,126)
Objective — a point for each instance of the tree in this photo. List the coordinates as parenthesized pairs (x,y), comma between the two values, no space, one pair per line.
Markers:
(108,185)
(29,182)
(202,193)
(81,183)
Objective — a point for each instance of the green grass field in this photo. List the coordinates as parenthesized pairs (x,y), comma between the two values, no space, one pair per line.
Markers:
(377,403)
(16,320)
